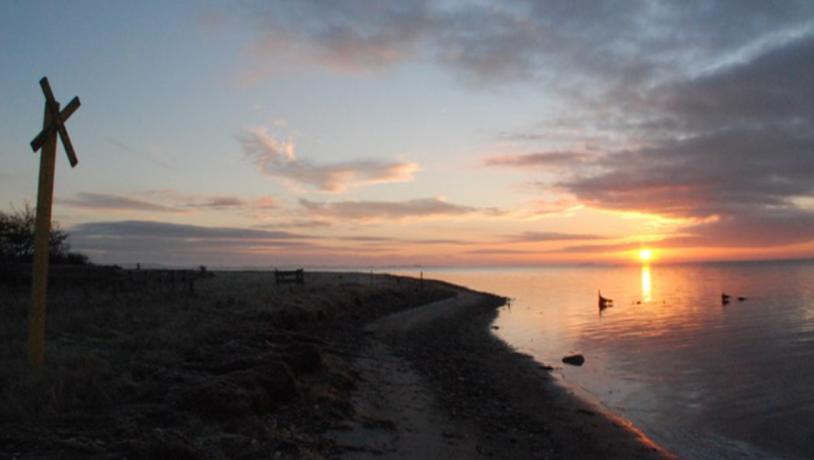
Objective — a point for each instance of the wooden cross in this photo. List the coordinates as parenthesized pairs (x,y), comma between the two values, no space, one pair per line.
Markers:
(46,141)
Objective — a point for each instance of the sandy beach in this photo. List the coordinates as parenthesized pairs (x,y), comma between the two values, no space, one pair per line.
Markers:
(348,365)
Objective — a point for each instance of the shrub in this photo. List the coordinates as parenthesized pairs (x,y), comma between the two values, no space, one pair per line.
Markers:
(17,239)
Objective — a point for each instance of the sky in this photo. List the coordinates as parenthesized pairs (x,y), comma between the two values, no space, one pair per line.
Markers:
(385,133)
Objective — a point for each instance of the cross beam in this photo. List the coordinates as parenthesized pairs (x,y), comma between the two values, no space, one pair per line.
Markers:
(57,123)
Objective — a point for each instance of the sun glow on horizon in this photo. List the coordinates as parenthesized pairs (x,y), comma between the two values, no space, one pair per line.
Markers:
(645,255)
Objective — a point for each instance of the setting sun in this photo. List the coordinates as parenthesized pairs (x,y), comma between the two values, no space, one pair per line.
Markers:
(645,255)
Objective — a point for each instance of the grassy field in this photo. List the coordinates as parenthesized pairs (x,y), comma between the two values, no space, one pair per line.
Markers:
(145,367)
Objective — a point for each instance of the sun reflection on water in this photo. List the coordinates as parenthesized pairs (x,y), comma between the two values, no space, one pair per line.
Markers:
(647,289)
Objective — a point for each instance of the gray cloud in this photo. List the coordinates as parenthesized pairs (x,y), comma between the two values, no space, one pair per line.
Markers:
(736,160)
(489,41)
(179,244)
(277,158)
(735,143)
(722,172)
(114,202)
(559,159)
(365,210)
(153,229)
(346,35)
(774,88)
(163,242)
(164,201)
(219,202)
(776,226)
(231,202)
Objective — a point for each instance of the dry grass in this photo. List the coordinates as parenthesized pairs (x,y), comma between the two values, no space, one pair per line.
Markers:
(116,358)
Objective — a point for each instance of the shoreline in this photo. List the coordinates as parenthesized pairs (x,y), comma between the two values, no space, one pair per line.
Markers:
(536,416)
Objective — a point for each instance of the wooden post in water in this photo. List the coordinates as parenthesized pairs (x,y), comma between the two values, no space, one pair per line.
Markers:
(46,142)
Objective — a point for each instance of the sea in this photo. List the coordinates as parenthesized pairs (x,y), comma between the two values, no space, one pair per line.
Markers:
(704,378)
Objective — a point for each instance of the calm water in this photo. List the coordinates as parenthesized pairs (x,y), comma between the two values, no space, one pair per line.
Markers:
(703,379)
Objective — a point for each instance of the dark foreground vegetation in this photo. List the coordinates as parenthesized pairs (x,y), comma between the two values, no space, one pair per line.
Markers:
(236,367)
(17,241)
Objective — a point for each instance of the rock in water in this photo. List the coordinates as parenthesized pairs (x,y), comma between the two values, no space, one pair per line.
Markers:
(574,360)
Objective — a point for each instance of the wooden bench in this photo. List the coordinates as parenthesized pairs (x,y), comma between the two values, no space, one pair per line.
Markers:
(289,276)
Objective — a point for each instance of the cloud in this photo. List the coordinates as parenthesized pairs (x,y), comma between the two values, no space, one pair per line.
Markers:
(778,227)
(219,202)
(344,36)
(533,237)
(542,160)
(777,83)
(699,110)
(225,202)
(730,150)
(498,41)
(765,227)
(735,160)
(600,248)
(114,202)
(708,174)
(164,201)
(310,223)
(441,241)
(277,158)
(501,251)
(189,245)
(366,210)
(154,229)
(401,241)
(553,207)
(164,242)
(368,239)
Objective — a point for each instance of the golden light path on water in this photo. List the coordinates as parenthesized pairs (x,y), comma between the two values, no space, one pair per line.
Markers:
(647,286)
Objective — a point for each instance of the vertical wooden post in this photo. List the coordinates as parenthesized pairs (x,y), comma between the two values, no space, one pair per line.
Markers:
(42,236)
